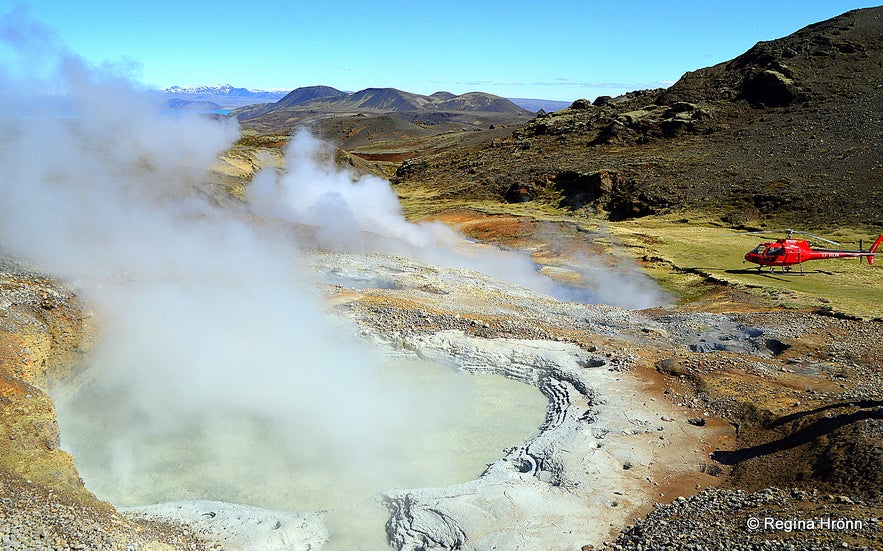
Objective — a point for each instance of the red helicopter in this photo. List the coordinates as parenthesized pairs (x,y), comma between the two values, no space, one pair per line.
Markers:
(789,251)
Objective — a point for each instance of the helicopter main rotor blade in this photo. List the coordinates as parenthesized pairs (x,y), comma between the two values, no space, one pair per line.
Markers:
(789,232)
(817,237)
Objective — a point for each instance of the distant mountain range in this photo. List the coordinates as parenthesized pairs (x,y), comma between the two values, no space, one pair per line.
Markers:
(219,96)
(354,119)
(386,100)
(227,96)
(227,90)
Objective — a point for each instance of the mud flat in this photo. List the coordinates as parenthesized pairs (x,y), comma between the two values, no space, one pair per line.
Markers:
(239,526)
(603,455)
(247,460)
(587,473)
(610,446)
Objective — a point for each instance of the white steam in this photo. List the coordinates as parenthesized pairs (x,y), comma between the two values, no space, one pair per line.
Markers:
(203,313)
(366,216)
(349,215)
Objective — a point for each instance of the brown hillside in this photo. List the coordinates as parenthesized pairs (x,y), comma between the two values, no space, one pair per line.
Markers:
(379,115)
(791,132)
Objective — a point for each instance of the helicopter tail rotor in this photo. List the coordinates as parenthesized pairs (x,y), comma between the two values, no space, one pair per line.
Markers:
(873,249)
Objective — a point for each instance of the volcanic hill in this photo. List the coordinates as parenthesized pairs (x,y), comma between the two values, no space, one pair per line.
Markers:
(790,132)
(379,114)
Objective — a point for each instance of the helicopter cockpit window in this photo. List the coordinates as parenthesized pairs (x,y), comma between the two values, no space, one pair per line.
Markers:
(773,252)
(757,250)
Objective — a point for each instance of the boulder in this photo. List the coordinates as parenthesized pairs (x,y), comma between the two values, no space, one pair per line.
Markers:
(519,193)
(580,189)
(769,88)
(581,104)
(602,100)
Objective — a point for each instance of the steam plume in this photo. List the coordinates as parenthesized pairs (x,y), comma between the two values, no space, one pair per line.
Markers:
(366,216)
(203,313)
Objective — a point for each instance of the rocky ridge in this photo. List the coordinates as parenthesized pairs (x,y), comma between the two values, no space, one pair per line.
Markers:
(789,126)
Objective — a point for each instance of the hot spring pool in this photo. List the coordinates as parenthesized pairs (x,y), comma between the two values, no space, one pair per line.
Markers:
(243,457)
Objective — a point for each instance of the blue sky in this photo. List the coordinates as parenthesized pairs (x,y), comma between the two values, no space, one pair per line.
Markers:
(560,50)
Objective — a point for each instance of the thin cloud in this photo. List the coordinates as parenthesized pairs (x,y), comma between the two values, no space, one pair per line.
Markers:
(560,82)
(490,83)
(617,85)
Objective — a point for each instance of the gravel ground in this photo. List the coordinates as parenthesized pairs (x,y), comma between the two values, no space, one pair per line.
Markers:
(35,519)
(786,519)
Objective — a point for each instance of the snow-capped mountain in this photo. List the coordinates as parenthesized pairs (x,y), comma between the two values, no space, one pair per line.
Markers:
(224,95)
(225,90)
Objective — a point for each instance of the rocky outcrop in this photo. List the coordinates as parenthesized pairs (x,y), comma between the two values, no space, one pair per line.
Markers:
(657,122)
(769,87)
(42,335)
(604,190)
(634,119)
(582,189)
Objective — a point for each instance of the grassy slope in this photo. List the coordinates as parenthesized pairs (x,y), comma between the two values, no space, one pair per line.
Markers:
(810,160)
(694,258)
(845,286)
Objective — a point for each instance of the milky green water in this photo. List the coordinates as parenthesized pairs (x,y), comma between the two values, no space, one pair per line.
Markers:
(243,458)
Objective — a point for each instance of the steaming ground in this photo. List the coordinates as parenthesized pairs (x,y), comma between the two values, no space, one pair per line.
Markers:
(367,216)
(218,362)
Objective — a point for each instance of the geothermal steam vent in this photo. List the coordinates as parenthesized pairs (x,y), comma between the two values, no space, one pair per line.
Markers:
(220,375)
